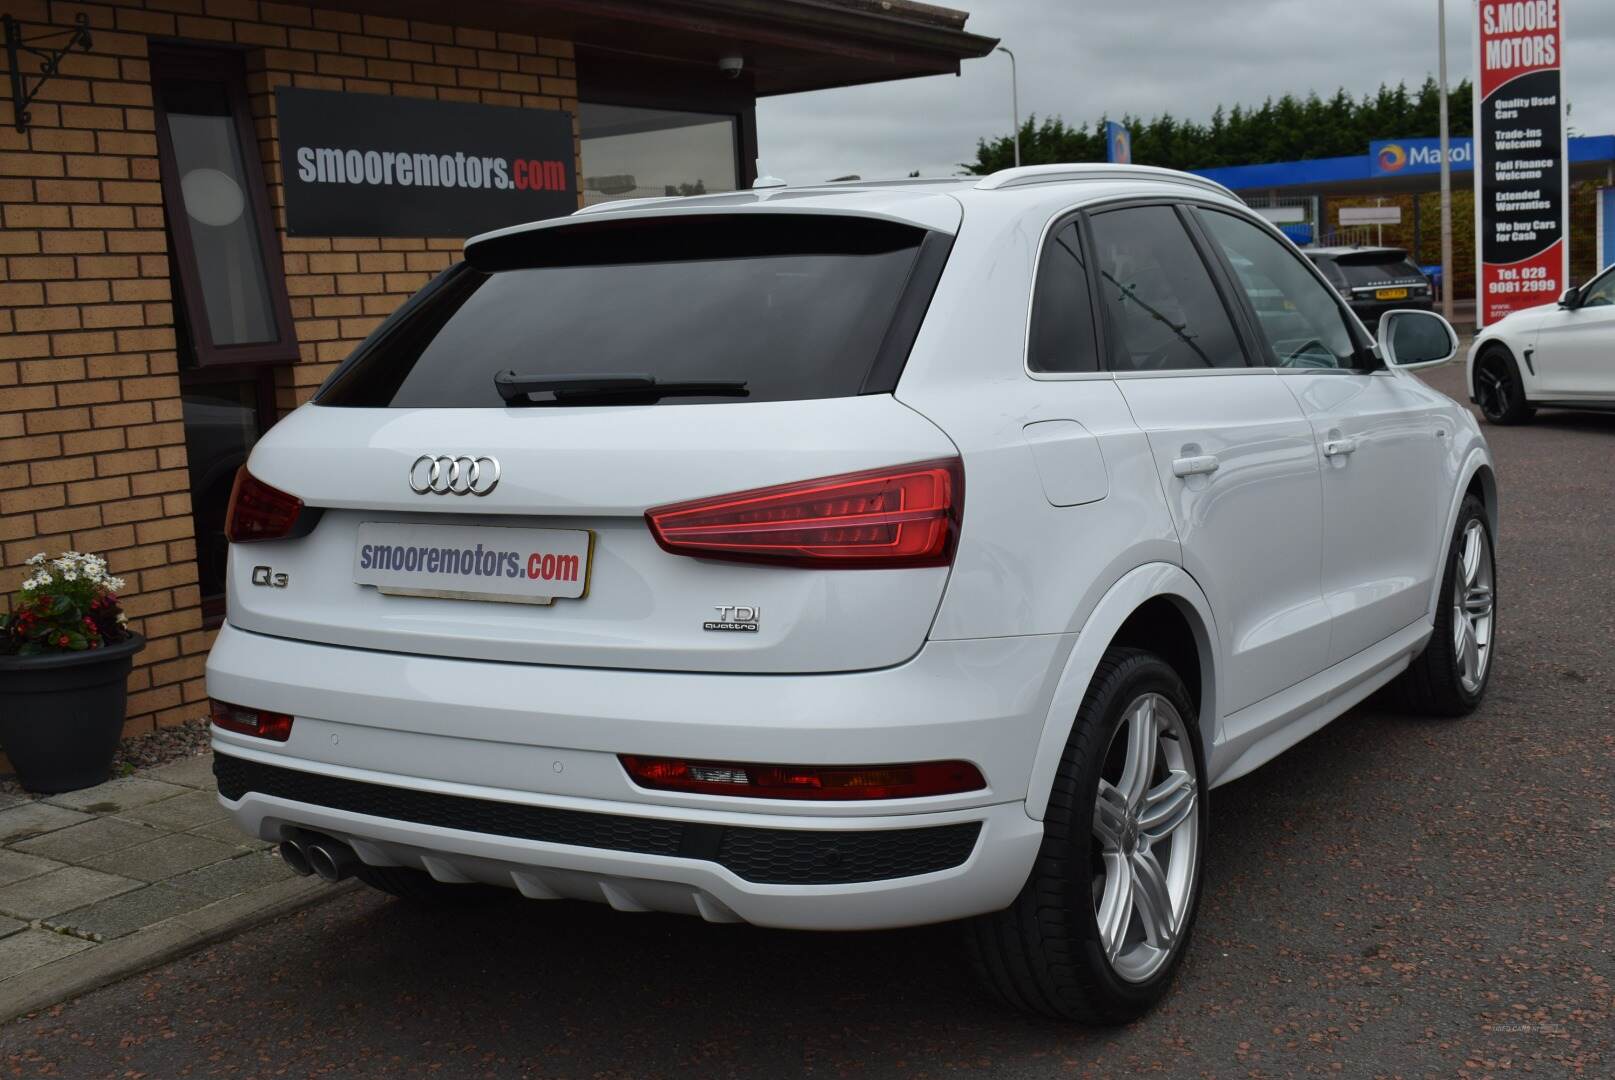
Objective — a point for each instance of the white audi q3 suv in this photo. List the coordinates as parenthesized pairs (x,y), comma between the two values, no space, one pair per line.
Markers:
(849,557)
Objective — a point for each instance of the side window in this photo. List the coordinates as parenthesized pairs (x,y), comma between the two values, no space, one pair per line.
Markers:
(1163,310)
(1299,317)
(1062,309)
(1601,293)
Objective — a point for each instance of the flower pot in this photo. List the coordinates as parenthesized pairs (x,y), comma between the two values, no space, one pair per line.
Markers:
(61,714)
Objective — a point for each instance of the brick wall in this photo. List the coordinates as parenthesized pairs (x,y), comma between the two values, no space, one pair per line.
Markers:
(92,448)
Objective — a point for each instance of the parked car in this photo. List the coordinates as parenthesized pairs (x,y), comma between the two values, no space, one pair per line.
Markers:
(849,557)
(1558,355)
(1374,280)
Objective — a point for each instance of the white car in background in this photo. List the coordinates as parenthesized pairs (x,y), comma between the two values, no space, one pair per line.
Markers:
(1559,355)
(849,557)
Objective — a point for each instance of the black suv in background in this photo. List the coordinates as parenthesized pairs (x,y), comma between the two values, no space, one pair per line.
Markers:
(1374,280)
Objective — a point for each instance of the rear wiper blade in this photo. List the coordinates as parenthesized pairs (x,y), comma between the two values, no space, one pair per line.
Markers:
(618,387)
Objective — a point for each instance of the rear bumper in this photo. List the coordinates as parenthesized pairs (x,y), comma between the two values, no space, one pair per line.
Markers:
(507,774)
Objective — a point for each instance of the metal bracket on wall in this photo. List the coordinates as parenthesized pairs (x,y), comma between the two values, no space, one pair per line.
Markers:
(50,60)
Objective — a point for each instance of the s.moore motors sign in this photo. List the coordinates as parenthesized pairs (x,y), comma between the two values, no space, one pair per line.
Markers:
(373,165)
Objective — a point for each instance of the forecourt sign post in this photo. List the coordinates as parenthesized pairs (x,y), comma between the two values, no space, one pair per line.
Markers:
(1522,181)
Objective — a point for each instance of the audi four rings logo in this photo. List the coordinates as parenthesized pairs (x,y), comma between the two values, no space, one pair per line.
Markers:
(445,475)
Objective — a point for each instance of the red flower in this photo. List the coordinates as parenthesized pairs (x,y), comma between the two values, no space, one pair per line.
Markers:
(62,641)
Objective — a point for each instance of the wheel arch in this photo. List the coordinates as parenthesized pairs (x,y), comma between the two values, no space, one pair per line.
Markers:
(1516,355)
(1478,477)
(1159,607)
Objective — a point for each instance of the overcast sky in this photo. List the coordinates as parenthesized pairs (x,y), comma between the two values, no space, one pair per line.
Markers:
(1084,58)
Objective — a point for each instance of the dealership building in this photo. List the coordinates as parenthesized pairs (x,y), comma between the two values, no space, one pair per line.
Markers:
(209,203)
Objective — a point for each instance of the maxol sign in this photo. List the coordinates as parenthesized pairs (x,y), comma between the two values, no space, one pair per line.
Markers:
(1404,157)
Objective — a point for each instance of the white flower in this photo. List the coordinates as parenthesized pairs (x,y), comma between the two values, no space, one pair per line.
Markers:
(37,560)
(114,583)
(123,620)
(70,575)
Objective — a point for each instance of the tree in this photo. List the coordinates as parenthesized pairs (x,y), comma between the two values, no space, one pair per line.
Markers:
(1286,130)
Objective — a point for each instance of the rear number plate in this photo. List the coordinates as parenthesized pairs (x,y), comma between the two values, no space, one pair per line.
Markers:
(461,562)
(1390,294)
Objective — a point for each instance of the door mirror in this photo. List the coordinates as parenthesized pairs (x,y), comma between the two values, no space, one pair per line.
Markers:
(1570,299)
(1416,339)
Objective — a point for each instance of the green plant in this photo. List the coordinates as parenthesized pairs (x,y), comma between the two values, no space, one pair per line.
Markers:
(69,604)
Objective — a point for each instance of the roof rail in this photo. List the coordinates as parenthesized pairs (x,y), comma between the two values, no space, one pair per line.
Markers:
(1050,174)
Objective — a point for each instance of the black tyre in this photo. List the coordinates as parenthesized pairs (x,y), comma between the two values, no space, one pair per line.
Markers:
(420,889)
(1499,391)
(1102,923)
(1449,678)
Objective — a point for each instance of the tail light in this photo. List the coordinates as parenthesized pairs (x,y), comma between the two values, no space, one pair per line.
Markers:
(812,782)
(258,511)
(881,519)
(245,721)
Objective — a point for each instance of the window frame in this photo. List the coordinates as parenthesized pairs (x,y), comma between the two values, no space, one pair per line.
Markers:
(1230,297)
(262,376)
(1365,355)
(227,67)
(1054,228)
(1596,282)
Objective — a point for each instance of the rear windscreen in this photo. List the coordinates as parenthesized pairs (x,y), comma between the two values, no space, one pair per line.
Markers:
(1378,268)
(795,306)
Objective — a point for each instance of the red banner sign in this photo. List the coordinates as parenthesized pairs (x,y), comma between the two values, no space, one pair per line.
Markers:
(1522,179)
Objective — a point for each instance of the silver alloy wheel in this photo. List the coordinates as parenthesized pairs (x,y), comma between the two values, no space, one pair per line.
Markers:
(1473,605)
(1148,833)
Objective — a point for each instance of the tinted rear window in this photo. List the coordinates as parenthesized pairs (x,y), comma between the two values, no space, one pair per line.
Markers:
(797,306)
(1377,269)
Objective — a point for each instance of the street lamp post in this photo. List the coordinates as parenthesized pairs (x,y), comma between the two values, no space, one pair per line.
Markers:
(1446,167)
(1015,102)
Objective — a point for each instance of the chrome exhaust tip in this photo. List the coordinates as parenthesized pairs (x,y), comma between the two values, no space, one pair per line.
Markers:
(295,856)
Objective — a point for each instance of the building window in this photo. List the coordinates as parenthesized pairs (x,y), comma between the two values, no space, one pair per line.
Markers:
(226,259)
(233,320)
(631,152)
(226,412)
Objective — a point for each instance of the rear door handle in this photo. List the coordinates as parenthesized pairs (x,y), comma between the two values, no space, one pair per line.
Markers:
(1199,465)
(1339,447)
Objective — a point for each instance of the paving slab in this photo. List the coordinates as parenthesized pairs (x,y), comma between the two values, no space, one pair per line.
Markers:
(8,799)
(227,831)
(180,813)
(88,839)
(125,793)
(9,926)
(238,875)
(59,891)
(34,818)
(192,772)
(163,857)
(15,866)
(28,949)
(116,916)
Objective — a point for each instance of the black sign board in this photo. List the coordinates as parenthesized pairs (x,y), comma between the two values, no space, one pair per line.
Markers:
(373,165)
(1522,186)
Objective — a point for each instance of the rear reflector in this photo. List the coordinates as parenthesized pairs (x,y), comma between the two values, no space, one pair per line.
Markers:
(903,516)
(245,721)
(258,511)
(817,782)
